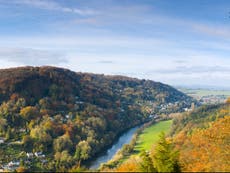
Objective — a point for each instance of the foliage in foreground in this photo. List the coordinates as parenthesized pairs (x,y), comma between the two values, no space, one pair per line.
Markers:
(161,158)
(200,143)
(204,141)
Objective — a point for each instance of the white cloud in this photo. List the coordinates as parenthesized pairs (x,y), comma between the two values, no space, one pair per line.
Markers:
(212,30)
(52,5)
(30,56)
(194,71)
(198,68)
(4,63)
(73,42)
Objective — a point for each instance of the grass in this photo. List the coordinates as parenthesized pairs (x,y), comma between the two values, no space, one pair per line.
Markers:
(151,135)
(146,139)
(205,92)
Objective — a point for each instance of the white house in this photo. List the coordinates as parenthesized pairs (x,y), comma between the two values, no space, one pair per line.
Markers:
(39,154)
(14,163)
(1,169)
(2,140)
(29,155)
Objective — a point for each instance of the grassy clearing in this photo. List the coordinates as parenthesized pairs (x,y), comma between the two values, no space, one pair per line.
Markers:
(151,135)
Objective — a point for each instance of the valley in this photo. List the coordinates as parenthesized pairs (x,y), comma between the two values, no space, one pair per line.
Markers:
(81,121)
(55,119)
(207,96)
(114,86)
(193,138)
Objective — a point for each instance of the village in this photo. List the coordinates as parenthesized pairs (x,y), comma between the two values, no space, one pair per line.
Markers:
(26,159)
(38,157)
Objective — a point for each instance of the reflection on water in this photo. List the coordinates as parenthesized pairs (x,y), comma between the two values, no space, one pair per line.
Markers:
(125,138)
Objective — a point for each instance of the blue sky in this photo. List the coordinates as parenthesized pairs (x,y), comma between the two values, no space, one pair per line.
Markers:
(177,42)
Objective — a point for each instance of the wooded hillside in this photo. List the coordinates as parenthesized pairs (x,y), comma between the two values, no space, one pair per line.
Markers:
(203,139)
(73,116)
(199,142)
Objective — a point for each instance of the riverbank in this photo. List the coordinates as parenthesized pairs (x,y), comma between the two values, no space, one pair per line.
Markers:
(143,139)
(125,138)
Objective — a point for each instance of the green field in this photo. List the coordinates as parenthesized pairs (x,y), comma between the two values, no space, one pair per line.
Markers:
(204,92)
(146,139)
(151,135)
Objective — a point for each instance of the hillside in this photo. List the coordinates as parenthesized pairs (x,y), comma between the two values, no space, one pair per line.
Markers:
(69,116)
(199,142)
(203,139)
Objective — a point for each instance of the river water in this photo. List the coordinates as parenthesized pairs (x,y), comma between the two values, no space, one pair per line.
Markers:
(125,138)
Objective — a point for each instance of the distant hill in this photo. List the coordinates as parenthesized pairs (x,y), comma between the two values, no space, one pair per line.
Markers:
(35,83)
(73,116)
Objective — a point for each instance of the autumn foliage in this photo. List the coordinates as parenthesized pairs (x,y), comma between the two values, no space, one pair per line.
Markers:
(206,149)
(199,142)
(71,117)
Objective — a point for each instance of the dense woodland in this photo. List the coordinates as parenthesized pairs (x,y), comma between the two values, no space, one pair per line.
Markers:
(203,139)
(70,117)
(199,141)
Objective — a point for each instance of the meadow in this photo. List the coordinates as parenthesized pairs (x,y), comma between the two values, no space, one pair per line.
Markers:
(150,135)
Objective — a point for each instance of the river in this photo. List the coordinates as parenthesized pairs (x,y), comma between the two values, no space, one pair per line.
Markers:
(125,138)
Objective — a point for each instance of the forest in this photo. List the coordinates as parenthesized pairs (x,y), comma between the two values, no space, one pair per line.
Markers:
(198,142)
(55,119)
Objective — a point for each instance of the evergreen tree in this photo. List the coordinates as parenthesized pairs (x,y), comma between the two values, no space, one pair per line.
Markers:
(147,163)
(164,157)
